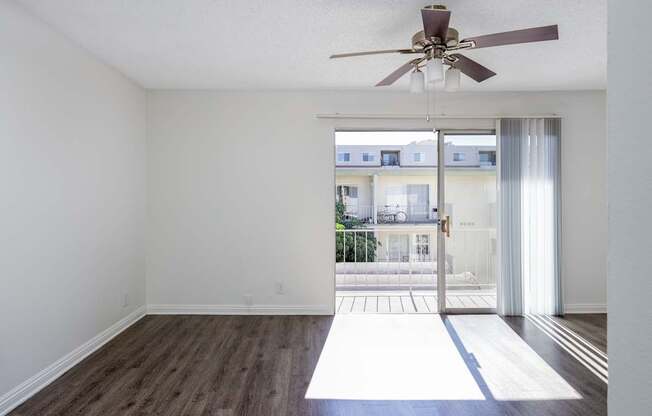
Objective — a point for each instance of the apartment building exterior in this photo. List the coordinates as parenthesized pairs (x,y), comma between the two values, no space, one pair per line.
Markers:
(395,184)
(392,189)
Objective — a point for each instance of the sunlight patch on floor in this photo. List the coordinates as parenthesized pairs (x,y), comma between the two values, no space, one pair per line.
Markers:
(582,350)
(391,357)
(509,368)
(422,357)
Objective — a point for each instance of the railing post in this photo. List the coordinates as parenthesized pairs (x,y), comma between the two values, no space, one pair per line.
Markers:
(400,257)
(374,202)
(355,258)
(377,266)
(366,248)
(344,248)
(410,282)
(355,247)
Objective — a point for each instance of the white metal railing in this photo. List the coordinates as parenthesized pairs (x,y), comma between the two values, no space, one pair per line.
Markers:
(377,258)
(391,213)
(364,213)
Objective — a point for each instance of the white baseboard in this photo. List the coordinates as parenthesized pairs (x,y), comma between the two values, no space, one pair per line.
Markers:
(239,310)
(585,308)
(31,386)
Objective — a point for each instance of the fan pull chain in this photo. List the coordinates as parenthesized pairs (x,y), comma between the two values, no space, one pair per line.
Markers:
(427,105)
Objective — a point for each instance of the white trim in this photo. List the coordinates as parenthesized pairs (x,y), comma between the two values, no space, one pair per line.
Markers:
(428,117)
(31,386)
(585,308)
(240,310)
(500,306)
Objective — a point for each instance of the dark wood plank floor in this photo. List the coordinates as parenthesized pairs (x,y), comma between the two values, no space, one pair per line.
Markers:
(592,327)
(262,365)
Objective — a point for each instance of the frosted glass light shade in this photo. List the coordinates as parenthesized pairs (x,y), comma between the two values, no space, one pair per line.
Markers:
(435,70)
(417,82)
(452,81)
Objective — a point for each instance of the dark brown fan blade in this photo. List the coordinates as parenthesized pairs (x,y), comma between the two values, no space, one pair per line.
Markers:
(471,68)
(435,23)
(346,55)
(535,34)
(402,70)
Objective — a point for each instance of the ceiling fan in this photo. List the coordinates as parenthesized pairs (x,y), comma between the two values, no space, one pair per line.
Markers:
(438,45)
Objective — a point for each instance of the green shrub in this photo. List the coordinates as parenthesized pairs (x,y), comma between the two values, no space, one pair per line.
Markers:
(361,247)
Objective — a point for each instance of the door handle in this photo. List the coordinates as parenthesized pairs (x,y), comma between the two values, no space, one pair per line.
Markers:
(446,226)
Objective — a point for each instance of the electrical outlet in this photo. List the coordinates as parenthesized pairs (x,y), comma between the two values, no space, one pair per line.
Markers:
(125,300)
(280,290)
(248,299)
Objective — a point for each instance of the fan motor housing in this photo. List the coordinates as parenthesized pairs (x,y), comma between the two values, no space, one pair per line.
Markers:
(419,40)
(435,7)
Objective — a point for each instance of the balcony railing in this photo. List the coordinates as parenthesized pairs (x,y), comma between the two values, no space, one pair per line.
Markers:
(367,259)
(392,162)
(392,214)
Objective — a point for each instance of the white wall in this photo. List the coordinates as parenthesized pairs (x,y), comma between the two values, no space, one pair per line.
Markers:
(228,170)
(630,205)
(72,196)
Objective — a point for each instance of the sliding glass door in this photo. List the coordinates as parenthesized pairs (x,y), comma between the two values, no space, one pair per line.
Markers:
(416,222)
(467,227)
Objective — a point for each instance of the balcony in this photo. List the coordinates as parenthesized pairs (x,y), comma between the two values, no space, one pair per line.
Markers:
(390,158)
(382,270)
(392,214)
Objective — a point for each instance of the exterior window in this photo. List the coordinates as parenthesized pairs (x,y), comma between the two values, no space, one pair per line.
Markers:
(390,158)
(422,246)
(348,195)
(346,191)
(459,157)
(368,157)
(419,157)
(344,157)
(487,157)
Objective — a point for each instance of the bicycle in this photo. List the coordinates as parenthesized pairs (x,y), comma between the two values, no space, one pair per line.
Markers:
(388,215)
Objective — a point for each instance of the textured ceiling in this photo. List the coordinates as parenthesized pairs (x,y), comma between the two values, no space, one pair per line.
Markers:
(284,44)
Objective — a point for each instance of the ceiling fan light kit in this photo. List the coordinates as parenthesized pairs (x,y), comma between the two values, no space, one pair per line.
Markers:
(417,82)
(438,45)
(435,70)
(452,82)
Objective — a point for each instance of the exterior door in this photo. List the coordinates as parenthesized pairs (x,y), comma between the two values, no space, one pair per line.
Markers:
(417,202)
(399,248)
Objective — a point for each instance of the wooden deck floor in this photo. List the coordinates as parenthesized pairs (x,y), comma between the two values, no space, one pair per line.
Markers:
(401,301)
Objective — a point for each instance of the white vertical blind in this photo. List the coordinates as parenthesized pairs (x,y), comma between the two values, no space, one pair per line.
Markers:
(530,197)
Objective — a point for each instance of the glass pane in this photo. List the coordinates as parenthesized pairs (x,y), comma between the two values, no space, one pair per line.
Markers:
(386,248)
(470,192)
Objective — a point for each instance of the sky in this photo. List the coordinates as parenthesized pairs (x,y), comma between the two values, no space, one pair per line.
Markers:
(405,137)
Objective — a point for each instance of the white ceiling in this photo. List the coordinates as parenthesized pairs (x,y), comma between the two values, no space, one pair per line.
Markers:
(285,44)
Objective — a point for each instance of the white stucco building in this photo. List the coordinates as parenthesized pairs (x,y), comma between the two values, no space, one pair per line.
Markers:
(393,190)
